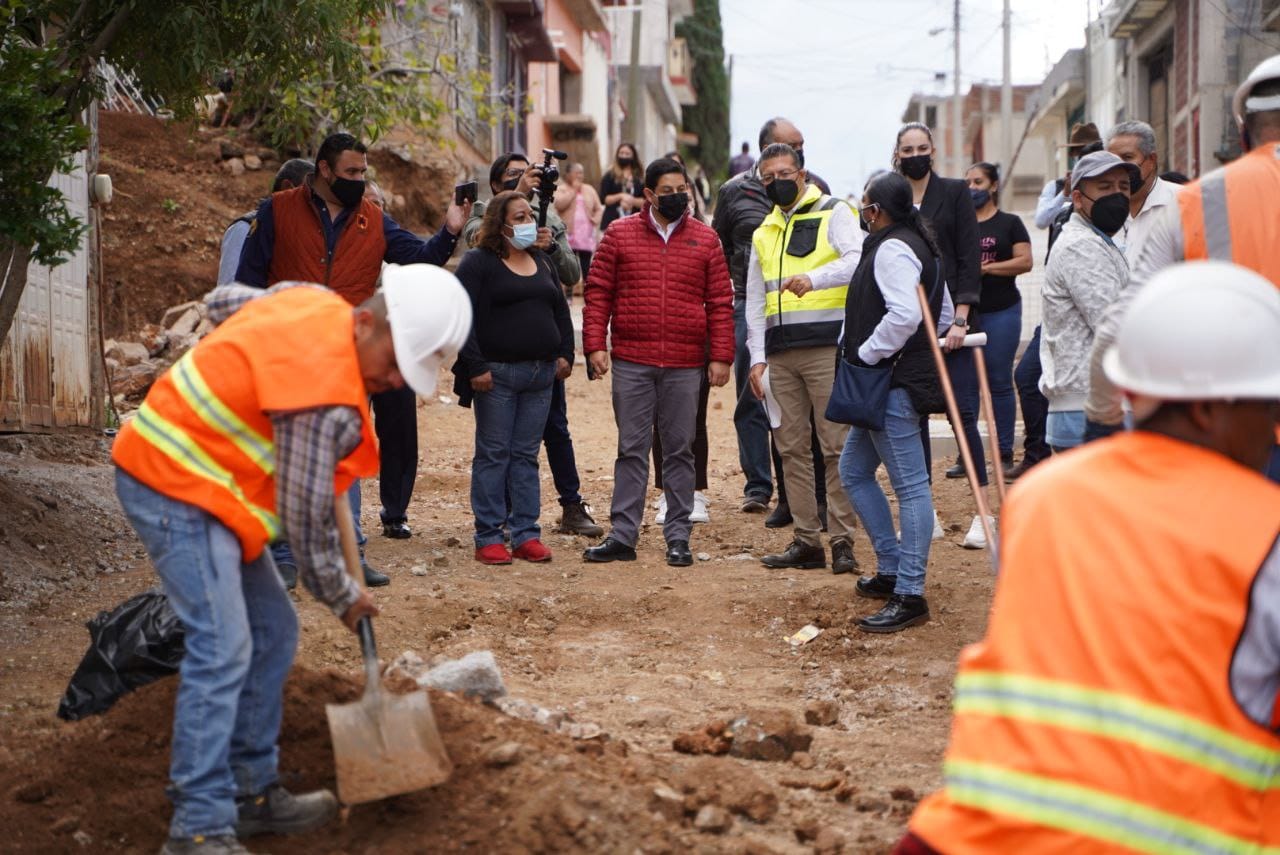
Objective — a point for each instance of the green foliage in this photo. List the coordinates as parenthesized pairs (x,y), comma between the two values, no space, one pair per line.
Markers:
(709,118)
(170,206)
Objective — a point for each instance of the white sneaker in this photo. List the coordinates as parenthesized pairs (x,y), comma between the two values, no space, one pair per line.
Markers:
(977,537)
(661,518)
(699,514)
(938,533)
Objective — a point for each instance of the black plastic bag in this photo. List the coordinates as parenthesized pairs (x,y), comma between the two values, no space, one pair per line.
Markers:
(136,643)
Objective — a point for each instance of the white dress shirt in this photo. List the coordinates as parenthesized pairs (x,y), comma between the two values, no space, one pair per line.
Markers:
(666,230)
(1137,230)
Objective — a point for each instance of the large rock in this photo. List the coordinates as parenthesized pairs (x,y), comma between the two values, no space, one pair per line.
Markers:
(153,339)
(252,162)
(186,323)
(127,353)
(767,735)
(230,149)
(475,675)
(133,381)
(172,313)
(235,166)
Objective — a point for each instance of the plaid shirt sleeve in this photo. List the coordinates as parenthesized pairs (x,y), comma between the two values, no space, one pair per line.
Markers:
(309,444)
(223,301)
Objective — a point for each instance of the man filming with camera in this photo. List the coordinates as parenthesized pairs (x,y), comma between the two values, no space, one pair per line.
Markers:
(513,171)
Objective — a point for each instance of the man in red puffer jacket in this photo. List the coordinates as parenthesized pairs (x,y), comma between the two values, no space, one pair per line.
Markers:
(659,285)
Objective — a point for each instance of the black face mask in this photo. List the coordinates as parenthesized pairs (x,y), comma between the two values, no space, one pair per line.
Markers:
(626,161)
(782,192)
(917,166)
(511,184)
(1109,212)
(347,191)
(673,206)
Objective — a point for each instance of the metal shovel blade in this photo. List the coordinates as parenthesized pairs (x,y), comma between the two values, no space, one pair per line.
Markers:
(385,745)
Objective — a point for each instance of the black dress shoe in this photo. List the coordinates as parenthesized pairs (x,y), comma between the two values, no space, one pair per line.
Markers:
(609,550)
(780,518)
(842,560)
(878,587)
(956,471)
(902,611)
(1016,472)
(373,578)
(799,556)
(398,529)
(678,554)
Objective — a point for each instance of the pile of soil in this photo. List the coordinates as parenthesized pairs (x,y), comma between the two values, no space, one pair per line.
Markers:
(100,783)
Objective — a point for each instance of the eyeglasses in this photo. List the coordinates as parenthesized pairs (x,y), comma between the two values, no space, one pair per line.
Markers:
(785,175)
(514,172)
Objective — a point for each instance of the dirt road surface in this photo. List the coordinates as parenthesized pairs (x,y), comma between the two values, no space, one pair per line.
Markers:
(642,650)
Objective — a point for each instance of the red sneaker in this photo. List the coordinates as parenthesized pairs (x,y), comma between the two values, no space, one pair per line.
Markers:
(532,550)
(494,553)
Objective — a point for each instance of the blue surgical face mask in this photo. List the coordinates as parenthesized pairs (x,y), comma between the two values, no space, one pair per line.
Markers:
(979,197)
(523,235)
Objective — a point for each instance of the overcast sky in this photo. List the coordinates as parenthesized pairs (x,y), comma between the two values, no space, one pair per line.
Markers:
(843,70)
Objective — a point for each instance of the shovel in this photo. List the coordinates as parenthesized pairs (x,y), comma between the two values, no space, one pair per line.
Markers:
(383,744)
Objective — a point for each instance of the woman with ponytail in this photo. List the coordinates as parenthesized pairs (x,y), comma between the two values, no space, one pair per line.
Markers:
(946,205)
(885,328)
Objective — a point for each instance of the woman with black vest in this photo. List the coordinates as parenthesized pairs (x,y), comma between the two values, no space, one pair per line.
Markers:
(884,328)
(945,203)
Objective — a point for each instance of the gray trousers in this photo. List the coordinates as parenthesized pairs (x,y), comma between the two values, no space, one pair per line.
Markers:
(639,393)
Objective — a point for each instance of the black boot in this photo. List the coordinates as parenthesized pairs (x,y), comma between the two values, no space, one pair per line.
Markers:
(902,611)
(576,519)
(842,560)
(397,529)
(799,556)
(609,550)
(678,554)
(373,578)
(878,587)
(277,811)
(956,471)
(780,517)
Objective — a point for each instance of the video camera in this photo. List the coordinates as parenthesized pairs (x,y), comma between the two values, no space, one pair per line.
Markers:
(547,184)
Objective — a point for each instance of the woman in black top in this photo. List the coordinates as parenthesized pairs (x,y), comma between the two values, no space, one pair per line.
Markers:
(521,341)
(622,188)
(946,205)
(1006,252)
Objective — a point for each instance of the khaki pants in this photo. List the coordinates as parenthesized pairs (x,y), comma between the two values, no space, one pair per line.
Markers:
(801,381)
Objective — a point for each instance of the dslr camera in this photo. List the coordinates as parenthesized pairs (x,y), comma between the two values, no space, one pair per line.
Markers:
(550,175)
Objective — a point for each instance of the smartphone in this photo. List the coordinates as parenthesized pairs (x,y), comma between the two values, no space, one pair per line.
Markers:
(468,192)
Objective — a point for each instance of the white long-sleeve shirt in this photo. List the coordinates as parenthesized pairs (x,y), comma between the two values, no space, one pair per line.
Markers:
(845,237)
(1051,202)
(897,273)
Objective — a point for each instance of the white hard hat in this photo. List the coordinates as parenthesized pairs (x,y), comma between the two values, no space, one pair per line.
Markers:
(1242,105)
(430,317)
(1200,331)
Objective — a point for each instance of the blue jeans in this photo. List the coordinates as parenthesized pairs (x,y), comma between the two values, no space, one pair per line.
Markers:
(1003,329)
(749,418)
(1035,407)
(964,380)
(241,634)
(560,456)
(1064,429)
(1097,430)
(282,552)
(510,421)
(899,448)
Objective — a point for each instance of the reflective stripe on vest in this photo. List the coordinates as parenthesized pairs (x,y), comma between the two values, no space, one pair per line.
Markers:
(217,415)
(1115,716)
(1089,812)
(1217,221)
(176,444)
(771,240)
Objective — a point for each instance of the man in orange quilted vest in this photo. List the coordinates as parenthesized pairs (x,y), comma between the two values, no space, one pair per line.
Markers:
(1124,698)
(248,438)
(326,231)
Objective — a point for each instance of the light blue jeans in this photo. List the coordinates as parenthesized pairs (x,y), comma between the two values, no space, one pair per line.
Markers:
(898,448)
(241,634)
(1064,429)
(510,421)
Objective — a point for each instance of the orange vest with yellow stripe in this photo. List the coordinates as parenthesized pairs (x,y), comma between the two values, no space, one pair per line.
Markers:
(1233,213)
(1103,711)
(299,253)
(204,436)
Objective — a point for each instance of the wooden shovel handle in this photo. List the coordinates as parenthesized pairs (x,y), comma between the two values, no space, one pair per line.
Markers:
(347,537)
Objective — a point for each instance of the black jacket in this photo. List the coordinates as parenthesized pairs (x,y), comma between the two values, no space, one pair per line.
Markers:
(948,207)
(741,207)
(913,366)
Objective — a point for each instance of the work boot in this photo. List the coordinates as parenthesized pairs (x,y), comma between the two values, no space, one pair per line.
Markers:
(372,578)
(678,554)
(878,587)
(756,503)
(956,471)
(798,556)
(780,518)
(902,611)
(277,811)
(576,518)
(288,574)
(223,844)
(842,560)
(397,529)
(1021,469)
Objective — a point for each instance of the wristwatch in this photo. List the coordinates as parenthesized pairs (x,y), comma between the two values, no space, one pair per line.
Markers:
(962,323)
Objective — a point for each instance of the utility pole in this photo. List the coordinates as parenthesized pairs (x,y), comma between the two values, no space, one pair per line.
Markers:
(957,106)
(629,127)
(1006,100)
